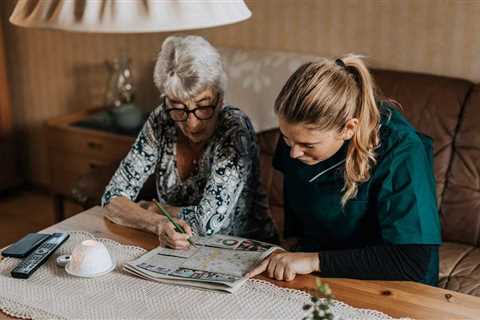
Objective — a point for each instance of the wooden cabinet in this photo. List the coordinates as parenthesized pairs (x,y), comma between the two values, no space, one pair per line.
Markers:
(8,170)
(73,151)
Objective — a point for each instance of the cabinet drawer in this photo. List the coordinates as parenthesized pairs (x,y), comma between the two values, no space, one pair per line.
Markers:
(78,164)
(88,144)
(67,168)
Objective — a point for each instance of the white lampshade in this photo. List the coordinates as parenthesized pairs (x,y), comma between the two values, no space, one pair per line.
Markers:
(128,16)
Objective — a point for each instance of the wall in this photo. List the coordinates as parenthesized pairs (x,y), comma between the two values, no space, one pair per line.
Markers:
(54,73)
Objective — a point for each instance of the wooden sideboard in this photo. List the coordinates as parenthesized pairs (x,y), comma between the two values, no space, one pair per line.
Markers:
(74,150)
(8,173)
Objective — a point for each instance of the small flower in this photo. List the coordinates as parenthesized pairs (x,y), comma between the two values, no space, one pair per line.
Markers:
(320,310)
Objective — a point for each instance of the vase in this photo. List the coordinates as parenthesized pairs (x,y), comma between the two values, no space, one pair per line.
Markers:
(127,117)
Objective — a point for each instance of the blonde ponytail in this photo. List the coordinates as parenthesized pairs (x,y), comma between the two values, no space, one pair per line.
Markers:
(361,151)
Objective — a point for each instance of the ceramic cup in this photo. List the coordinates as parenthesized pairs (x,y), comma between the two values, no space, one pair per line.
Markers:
(90,258)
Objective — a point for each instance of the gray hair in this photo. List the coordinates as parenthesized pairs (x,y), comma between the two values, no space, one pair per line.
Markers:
(186,66)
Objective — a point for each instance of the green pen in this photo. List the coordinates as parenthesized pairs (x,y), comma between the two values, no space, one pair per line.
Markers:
(178,227)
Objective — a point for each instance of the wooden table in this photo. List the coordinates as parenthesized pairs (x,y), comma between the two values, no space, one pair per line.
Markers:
(395,298)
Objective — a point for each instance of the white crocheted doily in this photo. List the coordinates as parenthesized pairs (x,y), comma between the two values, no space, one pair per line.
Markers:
(50,293)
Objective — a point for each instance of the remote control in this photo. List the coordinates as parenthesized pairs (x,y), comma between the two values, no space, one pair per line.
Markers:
(31,263)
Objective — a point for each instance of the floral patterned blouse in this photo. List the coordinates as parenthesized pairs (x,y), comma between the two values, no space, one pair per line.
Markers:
(222,195)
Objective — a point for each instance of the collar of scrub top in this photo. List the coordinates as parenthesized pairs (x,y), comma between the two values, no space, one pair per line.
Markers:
(326,170)
(331,163)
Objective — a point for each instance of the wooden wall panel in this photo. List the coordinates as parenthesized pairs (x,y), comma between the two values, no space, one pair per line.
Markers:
(54,73)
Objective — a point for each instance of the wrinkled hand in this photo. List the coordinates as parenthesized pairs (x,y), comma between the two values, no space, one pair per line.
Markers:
(150,206)
(168,237)
(147,205)
(283,265)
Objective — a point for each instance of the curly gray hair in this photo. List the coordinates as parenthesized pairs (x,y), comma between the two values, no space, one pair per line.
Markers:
(186,66)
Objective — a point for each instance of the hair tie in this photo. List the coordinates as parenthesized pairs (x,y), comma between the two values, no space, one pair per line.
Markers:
(340,63)
(350,70)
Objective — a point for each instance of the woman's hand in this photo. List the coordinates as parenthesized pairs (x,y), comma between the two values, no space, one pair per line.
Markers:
(144,216)
(283,265)
(168,237)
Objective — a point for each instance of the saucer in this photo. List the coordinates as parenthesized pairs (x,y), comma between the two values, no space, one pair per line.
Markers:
(93,275)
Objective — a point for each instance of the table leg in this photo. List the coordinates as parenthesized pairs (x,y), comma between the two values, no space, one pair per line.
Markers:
(59,207)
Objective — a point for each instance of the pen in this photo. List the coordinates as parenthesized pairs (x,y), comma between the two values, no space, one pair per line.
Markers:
(178,227)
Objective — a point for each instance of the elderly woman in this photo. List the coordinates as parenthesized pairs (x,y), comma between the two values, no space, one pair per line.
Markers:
(203,154)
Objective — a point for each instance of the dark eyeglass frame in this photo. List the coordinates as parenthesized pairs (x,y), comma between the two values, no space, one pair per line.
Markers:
(187,111)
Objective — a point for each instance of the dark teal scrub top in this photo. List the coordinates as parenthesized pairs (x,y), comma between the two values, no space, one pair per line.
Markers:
(397,205)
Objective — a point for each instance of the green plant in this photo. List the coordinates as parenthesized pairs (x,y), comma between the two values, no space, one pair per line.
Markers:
(321,301)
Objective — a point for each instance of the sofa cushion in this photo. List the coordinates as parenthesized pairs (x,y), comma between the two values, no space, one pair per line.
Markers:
(460,268)
(255,77)
(451,253)
(460,209)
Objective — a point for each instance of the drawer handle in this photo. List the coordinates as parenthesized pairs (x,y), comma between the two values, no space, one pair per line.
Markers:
(94,165)
(94,145)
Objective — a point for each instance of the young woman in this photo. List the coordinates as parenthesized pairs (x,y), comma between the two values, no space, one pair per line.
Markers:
(359,188)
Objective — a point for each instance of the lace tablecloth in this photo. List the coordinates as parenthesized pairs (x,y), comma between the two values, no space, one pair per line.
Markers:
(50,293)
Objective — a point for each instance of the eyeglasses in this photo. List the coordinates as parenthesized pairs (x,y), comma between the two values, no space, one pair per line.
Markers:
(181,114)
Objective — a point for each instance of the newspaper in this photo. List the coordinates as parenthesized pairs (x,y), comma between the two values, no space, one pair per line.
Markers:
(216,262)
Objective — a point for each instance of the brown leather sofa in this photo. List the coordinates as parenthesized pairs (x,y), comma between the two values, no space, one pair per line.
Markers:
(444,108)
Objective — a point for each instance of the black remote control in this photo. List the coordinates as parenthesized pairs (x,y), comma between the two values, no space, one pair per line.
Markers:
(34,260)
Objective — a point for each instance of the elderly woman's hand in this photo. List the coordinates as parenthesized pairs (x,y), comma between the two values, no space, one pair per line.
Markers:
(144,216)
(166,230)
(168,237)
(150,206)
(283,265)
